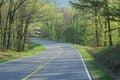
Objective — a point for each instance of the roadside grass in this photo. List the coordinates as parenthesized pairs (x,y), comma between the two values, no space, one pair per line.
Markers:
(10,55)
(109,57)
(95,69)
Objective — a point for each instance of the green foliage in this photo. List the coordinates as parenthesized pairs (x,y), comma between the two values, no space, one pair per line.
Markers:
(91,22)
(16,16)
(100,12)
(14,24)
(110,58)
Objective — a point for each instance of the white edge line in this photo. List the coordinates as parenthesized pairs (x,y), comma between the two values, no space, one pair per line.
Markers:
(85,66)
(89,76)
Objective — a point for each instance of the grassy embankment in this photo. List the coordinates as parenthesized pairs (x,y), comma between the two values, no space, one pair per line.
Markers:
(96,70)
(10,55)
(109,58)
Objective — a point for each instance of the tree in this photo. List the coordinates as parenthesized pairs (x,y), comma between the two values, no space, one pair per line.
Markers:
(16,17)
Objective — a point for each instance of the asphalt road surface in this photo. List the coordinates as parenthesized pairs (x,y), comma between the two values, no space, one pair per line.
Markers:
(58,62)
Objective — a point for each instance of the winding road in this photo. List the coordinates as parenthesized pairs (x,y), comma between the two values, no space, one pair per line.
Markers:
(58,62)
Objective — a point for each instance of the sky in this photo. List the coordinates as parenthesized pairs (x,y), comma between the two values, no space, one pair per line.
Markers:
(62,2)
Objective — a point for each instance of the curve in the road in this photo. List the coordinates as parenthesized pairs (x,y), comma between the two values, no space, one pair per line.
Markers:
(58,62)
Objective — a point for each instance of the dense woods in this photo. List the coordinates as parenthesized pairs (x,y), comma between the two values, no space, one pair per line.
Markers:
(15,18)
(104,16)
(88,22)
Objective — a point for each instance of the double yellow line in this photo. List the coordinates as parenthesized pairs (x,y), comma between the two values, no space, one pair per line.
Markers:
(40,67)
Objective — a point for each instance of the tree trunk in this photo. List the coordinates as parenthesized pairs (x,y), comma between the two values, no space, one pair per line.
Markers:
(105,34)
(10,21)
(96,28)
(25,36)
(108,24)
(0,19)
(9,35)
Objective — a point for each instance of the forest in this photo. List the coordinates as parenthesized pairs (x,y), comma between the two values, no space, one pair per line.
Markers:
(94,23)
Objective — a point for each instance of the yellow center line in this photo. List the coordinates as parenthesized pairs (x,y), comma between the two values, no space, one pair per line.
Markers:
(40,67)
